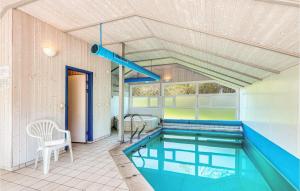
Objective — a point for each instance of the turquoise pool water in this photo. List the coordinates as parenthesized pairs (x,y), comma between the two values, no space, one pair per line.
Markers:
(174,162)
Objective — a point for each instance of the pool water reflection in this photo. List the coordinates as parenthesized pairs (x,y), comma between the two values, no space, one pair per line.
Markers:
(184,163)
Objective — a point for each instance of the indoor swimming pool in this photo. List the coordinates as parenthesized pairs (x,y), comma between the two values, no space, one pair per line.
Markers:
(174,161)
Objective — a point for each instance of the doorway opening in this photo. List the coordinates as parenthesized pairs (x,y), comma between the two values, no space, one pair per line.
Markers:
(79,104)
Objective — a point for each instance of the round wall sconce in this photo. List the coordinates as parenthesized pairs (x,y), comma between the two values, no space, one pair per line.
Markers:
(167,78)
(48,51)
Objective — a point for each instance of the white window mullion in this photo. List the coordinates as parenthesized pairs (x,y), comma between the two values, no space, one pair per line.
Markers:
(197,109)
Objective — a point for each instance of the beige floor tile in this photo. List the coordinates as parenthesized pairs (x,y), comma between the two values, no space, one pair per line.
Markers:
(53,177)
(93,169)
(64,188)
(26,181)
(4,185)
(49,187)
(103,180)
(63,179)
(2,172)
(77,183)
(27,189)
(11,177)
(108,188)
(95,187)
(15,187)
(114,182)
(39,184)
(84,175)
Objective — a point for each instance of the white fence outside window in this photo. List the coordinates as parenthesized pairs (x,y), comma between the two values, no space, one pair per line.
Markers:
(223,106)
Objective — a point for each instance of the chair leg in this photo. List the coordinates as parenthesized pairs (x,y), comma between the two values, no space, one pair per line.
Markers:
(56,153)
(36,159)
(46,160)
(71,152)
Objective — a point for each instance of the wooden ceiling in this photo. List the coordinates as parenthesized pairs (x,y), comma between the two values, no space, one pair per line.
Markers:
(173,73)
(240,42)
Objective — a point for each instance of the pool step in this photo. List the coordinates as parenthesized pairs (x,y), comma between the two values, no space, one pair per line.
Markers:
(237,129)
(217,142)
(205,133)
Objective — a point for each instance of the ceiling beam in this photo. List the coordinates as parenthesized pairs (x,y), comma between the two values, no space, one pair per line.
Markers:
(228,83)
(16,5)
(153,59)
(213,71)
(199,67)
(204,51)
(164,64)
(104,22)
(145,66)
(222,56)
(127,41)
(219,36)
(292,3)
(240,41)
(191,57)
(203,73)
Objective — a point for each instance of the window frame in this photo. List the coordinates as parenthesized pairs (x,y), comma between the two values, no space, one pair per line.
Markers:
(161,97)
(148,97)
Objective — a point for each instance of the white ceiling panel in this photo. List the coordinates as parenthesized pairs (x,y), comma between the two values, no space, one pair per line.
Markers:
(222,34)
(148,55)
(214,68)
(92,35)
(225,47)
(221,78)
(264,23)
(70,14)
(216,60)
(117,31)
(145,44)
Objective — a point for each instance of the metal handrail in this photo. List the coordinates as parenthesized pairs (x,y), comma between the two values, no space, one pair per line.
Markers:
(139,134)
(132,135)
(142,120)
(131,126)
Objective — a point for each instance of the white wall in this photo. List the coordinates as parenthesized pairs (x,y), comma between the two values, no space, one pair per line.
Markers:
(38,82)
(271,107)
(115,102)
(5,89)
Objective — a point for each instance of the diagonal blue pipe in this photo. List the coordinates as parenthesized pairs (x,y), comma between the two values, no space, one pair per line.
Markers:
(107,54)
(142,79)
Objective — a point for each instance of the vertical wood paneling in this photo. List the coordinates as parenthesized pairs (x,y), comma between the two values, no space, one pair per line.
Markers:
(5,89)
(39,81)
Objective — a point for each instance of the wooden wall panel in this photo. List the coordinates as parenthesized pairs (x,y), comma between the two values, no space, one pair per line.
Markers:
(39,81)
(5,89)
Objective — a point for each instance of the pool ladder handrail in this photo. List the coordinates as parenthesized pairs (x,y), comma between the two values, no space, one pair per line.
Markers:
(132,134)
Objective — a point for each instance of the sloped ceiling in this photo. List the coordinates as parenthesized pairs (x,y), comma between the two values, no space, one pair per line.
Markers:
(238,41)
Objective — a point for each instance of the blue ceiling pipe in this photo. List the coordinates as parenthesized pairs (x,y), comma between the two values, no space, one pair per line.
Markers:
(142,79)
(107,54)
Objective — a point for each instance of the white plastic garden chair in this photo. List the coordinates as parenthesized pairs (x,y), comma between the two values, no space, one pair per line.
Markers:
(43,130)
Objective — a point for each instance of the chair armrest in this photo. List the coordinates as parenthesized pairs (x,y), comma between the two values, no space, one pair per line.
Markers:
(41,141)
(61,130)
(67,132)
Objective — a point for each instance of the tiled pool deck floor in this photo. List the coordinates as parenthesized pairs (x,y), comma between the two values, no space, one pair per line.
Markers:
(93,169)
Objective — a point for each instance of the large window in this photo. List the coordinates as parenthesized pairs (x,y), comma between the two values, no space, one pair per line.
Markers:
(180,101)
(198,100)
(214,88)
(146,90)
(216,102)
(179,89)
(144,96)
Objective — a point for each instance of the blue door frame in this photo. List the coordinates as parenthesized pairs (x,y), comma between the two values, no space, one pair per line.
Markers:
(89,133)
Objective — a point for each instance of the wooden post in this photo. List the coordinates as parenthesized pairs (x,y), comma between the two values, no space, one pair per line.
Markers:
(121,100)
